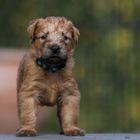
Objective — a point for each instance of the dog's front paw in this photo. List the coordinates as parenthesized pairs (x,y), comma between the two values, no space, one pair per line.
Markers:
(25,132)
(74,131)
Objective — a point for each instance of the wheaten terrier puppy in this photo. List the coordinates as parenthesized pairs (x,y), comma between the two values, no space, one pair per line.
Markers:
(45,76)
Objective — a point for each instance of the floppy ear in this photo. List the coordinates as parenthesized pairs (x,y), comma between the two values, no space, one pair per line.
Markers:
(31,29)
(76,34)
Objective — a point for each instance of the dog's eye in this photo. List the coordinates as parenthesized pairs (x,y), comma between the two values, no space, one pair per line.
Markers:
(43,37)
(66,38)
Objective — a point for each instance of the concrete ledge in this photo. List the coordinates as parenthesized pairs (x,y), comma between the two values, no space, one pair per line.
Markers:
(86,137)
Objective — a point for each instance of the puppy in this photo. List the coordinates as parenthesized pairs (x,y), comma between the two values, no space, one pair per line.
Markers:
(45,76)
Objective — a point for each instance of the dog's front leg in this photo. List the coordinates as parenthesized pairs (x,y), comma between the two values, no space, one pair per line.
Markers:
(68,109)
(27,116)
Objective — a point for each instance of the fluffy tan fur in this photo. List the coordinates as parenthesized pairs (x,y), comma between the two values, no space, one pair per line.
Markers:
(35,86)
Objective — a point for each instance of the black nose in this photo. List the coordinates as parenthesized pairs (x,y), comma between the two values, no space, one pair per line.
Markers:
(55,48)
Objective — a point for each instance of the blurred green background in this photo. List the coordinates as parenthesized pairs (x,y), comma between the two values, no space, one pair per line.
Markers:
(107,56)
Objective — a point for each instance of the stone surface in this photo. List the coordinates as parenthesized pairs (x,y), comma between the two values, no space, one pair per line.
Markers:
(86,137)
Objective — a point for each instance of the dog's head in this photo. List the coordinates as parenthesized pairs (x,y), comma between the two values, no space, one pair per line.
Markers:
(52,40)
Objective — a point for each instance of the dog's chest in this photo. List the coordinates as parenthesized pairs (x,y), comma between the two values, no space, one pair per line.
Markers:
(50,92)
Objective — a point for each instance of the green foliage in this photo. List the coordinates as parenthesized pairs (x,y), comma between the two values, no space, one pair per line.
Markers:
(107,56)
